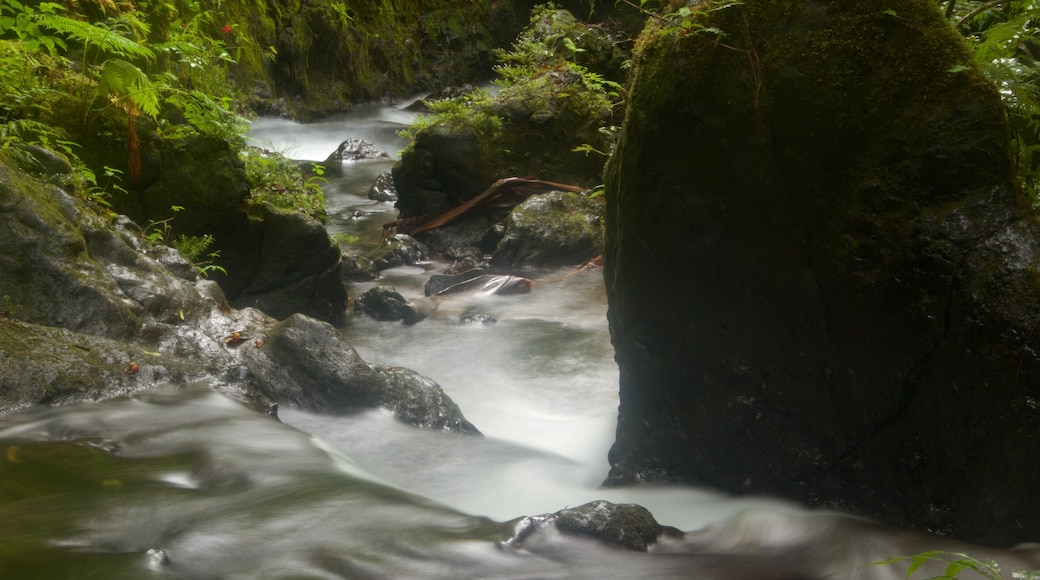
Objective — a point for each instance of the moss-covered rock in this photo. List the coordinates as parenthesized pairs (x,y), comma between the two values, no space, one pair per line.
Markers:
(834,181)
(551,229)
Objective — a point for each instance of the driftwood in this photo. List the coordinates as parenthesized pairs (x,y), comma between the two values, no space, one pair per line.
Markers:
(504,192)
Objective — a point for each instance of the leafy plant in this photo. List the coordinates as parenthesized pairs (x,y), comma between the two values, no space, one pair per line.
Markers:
(954,563)
(194,248)
(684,20)
(278,181)
(1004,36)
(545,96)
(160,231)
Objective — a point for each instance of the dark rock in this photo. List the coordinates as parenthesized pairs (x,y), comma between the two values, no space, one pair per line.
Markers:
(86,314)
(398,250)
(382,303)
(477,282)
(305,363)
(442,169)
(552,229)
(358,268)
(43,162)
(419,401)
(298,270)
(316,371)
(855,327)
(419,309)
(259,247)
(354,149)
(460,240)
(440,283)
(628,526)
(383,188)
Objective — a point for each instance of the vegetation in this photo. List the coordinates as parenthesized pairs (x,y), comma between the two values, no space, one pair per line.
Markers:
(87,88)
(1004,36)
(278,181)
(559,85)
(954,563)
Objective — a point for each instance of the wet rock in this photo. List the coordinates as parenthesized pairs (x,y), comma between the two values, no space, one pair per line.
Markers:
(383,188)
(382,303)
(354,149)
(398,250)
(305,363)
(477,282)
(87,314)
(358,268)
(419,309)
(440,283)
(628,526)
(419,401)
(477,318)
(552,229)
(298,270)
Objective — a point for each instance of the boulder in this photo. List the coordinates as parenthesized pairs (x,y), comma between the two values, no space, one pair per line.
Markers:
(296,268)
(627,526)
(398,250)
(355,149)
(383,188)
(834,192)
(258,246)
(551,229)
(382,303)
(89,311)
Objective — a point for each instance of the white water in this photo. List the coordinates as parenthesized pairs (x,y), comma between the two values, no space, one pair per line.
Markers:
(184,482)
(540,383)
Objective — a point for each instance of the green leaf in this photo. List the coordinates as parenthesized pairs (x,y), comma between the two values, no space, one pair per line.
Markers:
(958,68)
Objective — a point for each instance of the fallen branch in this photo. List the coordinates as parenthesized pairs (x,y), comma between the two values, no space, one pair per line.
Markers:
(495,194)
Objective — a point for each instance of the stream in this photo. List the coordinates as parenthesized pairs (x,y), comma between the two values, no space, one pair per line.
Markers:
(183,482)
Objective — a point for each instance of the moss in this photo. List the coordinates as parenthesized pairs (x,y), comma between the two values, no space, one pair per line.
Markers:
(752,82)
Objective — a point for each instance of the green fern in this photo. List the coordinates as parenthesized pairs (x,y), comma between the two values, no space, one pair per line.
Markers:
(129,87)
(93,36)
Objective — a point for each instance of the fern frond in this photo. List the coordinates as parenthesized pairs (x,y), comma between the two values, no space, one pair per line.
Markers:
(94,36)
(129,87)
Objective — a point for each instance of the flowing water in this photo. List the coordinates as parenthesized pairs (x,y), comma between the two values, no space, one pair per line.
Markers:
(183,482)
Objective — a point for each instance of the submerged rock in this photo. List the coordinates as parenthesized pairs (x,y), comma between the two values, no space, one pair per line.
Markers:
(382,303)
(856,325)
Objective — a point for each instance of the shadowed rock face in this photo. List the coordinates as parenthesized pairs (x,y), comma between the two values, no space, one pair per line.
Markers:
(853,326)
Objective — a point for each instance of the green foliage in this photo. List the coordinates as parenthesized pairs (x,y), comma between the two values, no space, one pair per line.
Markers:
(278,181)
(160,231)
(545,96)
(684,20)
(195,249)
(125,70)
(471,110)
(1004,38)
(954,563)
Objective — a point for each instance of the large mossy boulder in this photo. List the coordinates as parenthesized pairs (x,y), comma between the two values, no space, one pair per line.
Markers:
(822,276)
